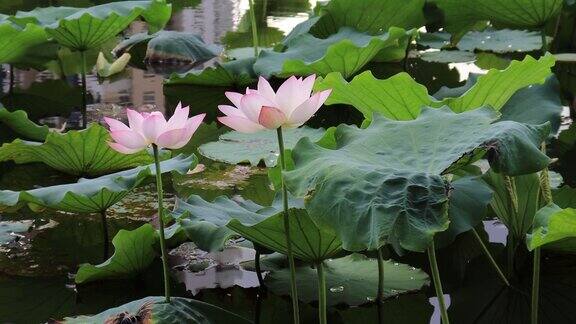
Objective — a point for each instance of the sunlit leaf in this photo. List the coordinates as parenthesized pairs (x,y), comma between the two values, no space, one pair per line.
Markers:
(554,228)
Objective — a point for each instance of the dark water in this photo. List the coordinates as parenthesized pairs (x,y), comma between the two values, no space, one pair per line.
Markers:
(37,267)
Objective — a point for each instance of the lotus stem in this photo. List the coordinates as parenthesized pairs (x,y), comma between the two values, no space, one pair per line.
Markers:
(161,223)
(293,288)
(11,86)
(535,285)
(511,244)
(105,234)
(489,256)
(258,268)
(437,282)
(380,295)
(544,41)
(254,27)
(321,293)
(83,72)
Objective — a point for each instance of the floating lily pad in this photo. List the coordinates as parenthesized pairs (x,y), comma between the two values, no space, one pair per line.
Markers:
(401,98)
(238,72)
(18,121)
(84,152)
(90,195)
(554,228)
(156,310)
(351,280)
(501,41)
(82,29)
(134,251)
(168,45)
(386,180)
(346,52)
(448,57)
(235,147)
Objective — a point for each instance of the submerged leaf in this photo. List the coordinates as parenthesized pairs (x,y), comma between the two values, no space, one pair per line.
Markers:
(351,280)
(346,52)
(84,152)
(134,251)
(384,184)
(235,147)
(156,310)
(91,195)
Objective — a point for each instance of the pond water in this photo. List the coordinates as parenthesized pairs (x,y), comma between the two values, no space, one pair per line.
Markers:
(37,265)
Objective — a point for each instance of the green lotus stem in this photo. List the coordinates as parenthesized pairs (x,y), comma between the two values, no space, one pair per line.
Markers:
(321,293)
(547,194)
(380,295)
(489,256)
(105,233)
(161,223)
(544,41)
(293,288)
(83,72)
(254,27)
(437,282)
(535,285)
(511,245)
(258,268)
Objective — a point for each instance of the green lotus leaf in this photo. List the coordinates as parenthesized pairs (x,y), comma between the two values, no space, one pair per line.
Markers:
(235,147)
(84,152)
(82,29)
(91,195)
(238,72)
(554,228)
(351,280)
(18,121)
(448,57)
(169,45)
(156,310)
(346,52)
(16,41)
(370,16)
(384,184)
(469,201)
(528,193)
(401,98)
(134,251)
(565,197)
(464,15)
(501,41)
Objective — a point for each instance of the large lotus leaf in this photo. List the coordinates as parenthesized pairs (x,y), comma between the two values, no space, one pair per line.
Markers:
(371,16)
(18,121)
(168,45)
(565,197)
(351,280)
(384,184)
(156,310)
(235,147)
(134,251)
(528,193)
(84,152)
(16,41)
(448,57)
(554,228)
(82,29)
(462,15)
(91,195)
(469,202)
(346,52)
(238,72)
(401,98)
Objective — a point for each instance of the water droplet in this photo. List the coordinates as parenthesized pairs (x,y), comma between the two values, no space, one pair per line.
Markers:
(411,278)
(412,268)
(370,299)
(337,289)
(393,291)
(396,263)
(509,46)
(488,37)
(483,42)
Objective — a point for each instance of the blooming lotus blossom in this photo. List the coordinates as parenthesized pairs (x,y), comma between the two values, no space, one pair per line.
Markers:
(291,106)
(146,129)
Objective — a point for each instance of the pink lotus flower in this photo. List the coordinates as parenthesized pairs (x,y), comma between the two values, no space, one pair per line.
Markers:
(291,106)
(152,128)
